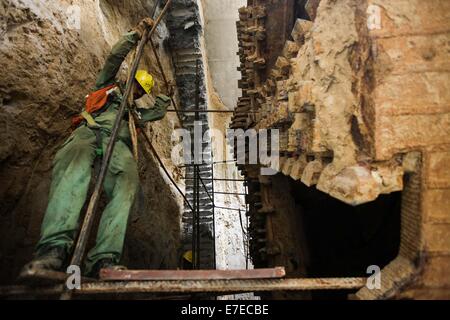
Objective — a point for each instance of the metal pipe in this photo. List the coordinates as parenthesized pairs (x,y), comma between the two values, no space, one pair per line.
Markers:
(196,220)
(198,223)
(161,69)
(247,258)
(242,226)
(191,165)
(225,161)
(147,139)
(231,193)
(207,164)
(225,208)
(225,111)
(155,8)
(217,179)
(204,187)
(214,213)
(194,223)
(166,82)
(200,111)
(84,233)
(244,239)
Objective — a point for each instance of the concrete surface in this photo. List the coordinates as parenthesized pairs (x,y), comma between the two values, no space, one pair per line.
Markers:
(221,39)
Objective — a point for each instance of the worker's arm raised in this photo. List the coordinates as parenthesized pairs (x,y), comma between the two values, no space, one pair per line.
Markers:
(119,52)
(157,112)
(115,59)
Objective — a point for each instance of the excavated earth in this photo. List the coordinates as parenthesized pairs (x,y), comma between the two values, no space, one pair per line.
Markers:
(48,66)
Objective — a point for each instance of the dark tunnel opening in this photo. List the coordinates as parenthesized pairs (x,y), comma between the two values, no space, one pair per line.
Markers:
(342,240)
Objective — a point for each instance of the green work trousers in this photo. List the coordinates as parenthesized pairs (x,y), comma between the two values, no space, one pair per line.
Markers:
(70,183)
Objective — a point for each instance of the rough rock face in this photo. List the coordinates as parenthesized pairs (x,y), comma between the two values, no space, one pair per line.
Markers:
(221,47)
(327,95)
(316,95)
(360,96)
(48,66)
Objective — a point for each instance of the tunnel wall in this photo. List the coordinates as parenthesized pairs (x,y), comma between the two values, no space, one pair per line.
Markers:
(221,47)
(48,66)
(359,93)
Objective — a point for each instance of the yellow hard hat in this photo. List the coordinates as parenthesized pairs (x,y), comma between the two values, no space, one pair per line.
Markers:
(145,79)
(188,256)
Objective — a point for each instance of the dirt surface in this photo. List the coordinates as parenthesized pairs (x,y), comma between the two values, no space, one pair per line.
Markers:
(47,69)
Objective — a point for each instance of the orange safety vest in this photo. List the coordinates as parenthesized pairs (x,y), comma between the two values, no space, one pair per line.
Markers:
(94,102)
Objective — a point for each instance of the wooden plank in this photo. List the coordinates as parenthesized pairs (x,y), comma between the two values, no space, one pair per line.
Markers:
(140,275)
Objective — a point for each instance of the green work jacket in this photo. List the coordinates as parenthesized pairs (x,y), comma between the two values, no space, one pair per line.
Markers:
(106,116)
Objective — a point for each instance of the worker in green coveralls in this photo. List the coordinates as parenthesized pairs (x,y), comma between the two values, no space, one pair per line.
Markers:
(73,169)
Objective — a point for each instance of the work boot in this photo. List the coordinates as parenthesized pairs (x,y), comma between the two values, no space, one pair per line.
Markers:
(106,263)
(52,259)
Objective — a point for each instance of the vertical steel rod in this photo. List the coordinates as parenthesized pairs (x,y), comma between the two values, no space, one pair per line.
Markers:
(214,211)
(194,222)
(166,82)
(197,118)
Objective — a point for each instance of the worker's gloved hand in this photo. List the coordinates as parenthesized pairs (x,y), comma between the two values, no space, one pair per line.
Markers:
(162,102)
(146,23)
(156,113)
